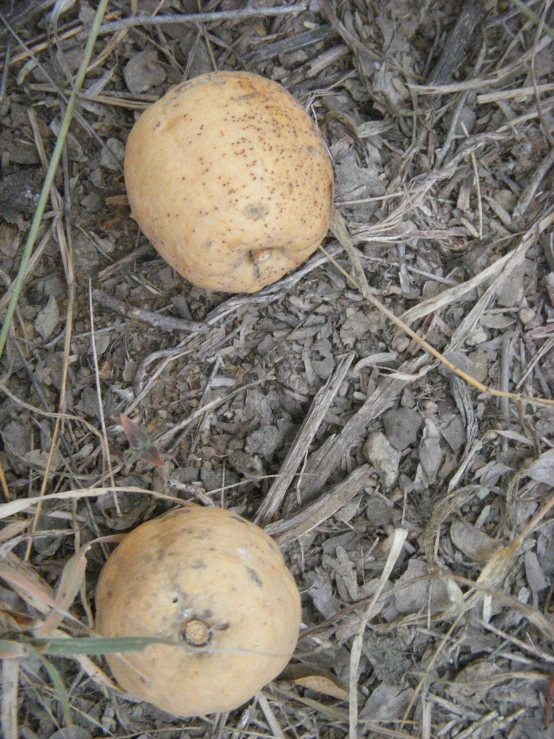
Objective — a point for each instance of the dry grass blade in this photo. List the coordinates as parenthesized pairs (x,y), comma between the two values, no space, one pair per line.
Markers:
(299,449)
(533,16)
(452,295)
(10,685)
(67,258)
(270,716)
(70,583)
(447,203)
(342,235)
(17,506)
(98,388)
(328,457)
(29,587)
(397,539)
(49,179)
(195,18)
(290,529)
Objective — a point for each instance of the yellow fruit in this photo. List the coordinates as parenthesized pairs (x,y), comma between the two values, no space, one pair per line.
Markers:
(230,180)
(216,584)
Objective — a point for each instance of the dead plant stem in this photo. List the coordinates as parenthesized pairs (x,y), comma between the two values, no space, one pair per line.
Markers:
(49,178)
(194,18)
(339,230)
(101,415)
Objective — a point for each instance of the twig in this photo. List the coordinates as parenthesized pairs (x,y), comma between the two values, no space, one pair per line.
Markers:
(127,259)
(477,188)
(526,197)
(166,323)
(5,70)
(195,18)
(504,384)
(455,49)
(163,439)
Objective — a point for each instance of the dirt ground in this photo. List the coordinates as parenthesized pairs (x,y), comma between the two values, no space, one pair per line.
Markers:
(411,501)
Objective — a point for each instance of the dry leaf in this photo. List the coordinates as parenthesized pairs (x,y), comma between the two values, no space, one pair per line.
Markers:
(542,469)
(315,678)
(473,542)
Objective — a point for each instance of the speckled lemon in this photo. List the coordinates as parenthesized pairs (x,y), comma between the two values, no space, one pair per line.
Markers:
(230,180)
(217,585)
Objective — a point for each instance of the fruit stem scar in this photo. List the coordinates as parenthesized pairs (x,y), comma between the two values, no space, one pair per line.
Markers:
(197,633)
(260,255)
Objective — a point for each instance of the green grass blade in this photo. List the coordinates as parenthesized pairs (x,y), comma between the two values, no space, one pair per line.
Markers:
(49,179)
(533,16)
(99,645)
(57,682)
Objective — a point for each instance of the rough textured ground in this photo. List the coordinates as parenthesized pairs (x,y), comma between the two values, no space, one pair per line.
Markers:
(378,469)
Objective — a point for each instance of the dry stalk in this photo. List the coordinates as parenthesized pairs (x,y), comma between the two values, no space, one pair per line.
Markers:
(164,323)
(338,228)
(451,295)
(397,539)
(105,445)
(477,189)
(22,504)
(270,717)
(287,530)
(49,178)
(519,92)
(192,19)
(10,685)
(67,259)
(320,405)
(4,483)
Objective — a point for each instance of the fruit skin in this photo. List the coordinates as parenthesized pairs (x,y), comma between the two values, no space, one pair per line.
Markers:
(199,573)
(230,180)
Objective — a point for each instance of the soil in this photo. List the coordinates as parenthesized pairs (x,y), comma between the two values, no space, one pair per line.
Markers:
(410,491)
